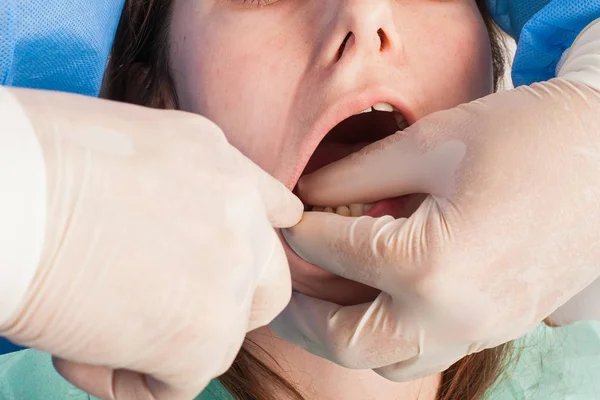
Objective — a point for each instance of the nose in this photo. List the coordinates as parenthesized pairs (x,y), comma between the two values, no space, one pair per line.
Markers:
(365,27)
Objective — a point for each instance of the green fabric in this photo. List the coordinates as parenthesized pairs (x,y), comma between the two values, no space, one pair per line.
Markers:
(29,374)
(550,364)
(215,391)
(554,364)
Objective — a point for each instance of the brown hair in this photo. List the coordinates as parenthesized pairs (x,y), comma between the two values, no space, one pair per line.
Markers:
(138,73)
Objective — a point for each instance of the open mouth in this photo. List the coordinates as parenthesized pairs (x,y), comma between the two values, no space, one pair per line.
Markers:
(351,135)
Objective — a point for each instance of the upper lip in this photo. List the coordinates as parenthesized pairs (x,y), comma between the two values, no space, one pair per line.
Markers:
(339,111)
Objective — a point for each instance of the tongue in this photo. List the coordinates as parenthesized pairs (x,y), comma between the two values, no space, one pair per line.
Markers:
(397,207)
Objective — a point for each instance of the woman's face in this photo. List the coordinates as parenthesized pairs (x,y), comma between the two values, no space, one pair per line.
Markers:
(276,76)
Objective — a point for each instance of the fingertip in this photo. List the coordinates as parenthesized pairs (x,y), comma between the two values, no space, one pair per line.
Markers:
(320,187)
(410,370)
(284,208)
(303,188)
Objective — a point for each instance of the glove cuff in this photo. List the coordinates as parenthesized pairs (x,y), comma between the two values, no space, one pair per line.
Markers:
(547,35)
(581,63)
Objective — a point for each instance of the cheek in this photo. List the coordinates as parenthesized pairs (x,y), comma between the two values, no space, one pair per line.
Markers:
(456,63)
(244,85)
(473,61)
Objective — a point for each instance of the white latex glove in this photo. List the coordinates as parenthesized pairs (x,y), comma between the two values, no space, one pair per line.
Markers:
(160,252)
(510,233)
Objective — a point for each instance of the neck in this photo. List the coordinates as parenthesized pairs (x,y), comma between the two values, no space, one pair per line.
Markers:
(319,379)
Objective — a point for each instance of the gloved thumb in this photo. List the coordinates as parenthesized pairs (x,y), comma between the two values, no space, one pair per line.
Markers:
(283,208)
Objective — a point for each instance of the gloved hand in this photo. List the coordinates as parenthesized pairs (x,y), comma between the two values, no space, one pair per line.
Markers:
(160,252)
(509,233)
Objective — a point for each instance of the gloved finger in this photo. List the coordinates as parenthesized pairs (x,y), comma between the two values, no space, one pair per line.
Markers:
(359,249)
(274,285)
(414,368)
(95,380)
(283,208)
(392,167)
(357,337)
(109,384)
(103,382)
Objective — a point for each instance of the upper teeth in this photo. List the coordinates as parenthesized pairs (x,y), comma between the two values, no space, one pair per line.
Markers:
(387,107)
(384,107)
(380,107)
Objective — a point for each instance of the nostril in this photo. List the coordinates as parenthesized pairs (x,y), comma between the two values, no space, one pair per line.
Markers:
(384,43)
(383,39)
(343,46)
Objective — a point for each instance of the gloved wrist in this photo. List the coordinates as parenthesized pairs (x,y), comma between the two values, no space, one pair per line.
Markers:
(581,62)
(22,204)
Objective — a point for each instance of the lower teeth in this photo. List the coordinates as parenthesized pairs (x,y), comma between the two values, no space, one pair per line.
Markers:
(353,210)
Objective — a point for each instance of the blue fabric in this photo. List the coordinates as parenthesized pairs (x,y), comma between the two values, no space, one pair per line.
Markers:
(57,44)
(30,375)
(8,347)
(512,15)
(544,29)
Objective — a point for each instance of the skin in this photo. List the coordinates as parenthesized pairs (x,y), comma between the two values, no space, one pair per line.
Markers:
(268,75)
